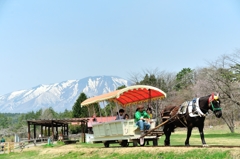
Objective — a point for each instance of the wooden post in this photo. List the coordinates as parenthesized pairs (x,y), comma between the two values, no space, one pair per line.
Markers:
(52,131)
(34,131)
(86,128)
(4,148)
(57,132)
(82,129)
(45,131)
(67,130)
(41,131)
(28,130)
(64,129)
(48,130)
(8,147)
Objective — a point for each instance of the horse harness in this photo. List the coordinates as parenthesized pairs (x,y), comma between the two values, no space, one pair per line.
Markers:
(174,114)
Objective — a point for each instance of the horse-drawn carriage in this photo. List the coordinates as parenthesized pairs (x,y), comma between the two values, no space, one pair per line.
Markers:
(190,114)
(125,131)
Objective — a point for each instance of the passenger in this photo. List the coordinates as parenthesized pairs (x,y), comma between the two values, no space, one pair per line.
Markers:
(149,111)
(120,114)
(134,113)
(2,143)
(126,116)
(94,119)
(142,119)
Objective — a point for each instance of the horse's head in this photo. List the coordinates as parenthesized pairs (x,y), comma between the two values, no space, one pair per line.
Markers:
(214,104)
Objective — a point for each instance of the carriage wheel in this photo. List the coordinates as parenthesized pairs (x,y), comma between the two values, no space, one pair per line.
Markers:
(142,144)
(155,142)
(106,144)
(124,143)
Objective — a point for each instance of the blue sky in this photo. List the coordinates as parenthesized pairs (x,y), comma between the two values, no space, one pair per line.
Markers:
(44,42)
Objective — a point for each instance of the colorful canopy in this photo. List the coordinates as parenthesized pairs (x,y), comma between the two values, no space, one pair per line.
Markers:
(129,95)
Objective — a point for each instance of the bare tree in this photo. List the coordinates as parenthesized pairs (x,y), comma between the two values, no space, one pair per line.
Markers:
(220,77)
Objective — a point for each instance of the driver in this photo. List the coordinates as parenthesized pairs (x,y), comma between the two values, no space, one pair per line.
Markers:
(142,119)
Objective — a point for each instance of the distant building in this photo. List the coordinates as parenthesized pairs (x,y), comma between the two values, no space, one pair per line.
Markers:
(94,120)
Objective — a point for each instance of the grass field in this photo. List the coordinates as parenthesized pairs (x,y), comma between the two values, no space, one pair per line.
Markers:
(95,151)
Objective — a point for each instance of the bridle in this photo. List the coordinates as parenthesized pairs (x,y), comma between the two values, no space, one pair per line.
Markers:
(210,102)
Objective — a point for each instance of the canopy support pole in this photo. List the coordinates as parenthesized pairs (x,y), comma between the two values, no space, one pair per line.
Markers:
(111,108)
(88,112)
(99,110)
(117,109)
(149,97)
(104,105)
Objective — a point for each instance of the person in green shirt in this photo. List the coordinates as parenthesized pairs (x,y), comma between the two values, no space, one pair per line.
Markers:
(142,118)
(3,140)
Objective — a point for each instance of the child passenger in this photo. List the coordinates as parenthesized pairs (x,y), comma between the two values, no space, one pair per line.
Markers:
(149,111)
(126,116)
(120,115)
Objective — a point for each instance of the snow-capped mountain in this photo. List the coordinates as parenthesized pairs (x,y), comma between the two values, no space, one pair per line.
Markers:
(59,96)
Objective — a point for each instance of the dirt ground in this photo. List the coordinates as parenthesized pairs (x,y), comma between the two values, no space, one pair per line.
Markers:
(104,151)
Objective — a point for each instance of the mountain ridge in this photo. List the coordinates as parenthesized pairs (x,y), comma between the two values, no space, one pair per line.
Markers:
(59,96)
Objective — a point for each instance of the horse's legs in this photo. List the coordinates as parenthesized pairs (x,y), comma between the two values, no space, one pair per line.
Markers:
(200,128)
(167,131)
(189,132)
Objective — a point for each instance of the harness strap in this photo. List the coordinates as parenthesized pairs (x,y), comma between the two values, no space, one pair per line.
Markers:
(184,124)
(172,111)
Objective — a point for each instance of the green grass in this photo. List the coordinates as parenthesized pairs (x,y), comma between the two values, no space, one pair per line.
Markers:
(59,143)
(177,138)
(198,154)
(23,155)
(216,137)
(227,135)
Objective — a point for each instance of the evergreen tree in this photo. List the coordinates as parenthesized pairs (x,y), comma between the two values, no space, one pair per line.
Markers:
(121,87)
(65,114)
(184,78)
(152,80)
(48,113)
(3,121)
(77,110)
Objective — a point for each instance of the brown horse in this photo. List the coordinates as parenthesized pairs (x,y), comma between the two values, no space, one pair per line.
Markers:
(190,119)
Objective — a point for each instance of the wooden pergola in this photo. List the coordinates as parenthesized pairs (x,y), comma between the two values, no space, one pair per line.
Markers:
(51,124)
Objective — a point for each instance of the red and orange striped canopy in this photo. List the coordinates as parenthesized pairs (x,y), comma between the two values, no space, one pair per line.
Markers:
(129,95)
